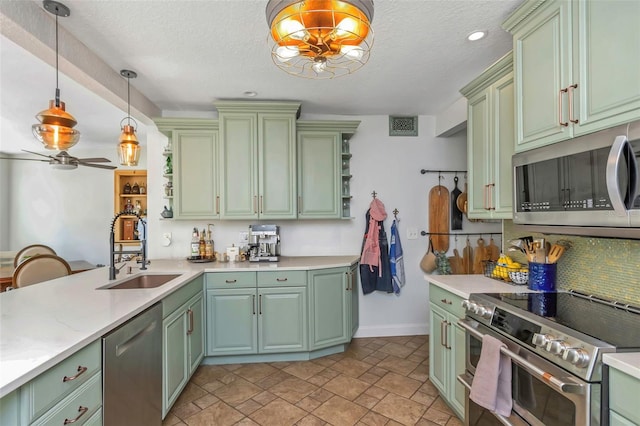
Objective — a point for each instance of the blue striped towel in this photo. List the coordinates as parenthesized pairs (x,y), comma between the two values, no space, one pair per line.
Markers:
(395,257)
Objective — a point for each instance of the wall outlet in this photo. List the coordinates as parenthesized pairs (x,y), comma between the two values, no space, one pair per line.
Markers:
(243,238)
(412,233)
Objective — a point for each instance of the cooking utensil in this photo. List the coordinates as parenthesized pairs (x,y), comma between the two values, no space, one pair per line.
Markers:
(456,213)
(428,262)
(461,201)
(554,254)
(467,258)
(439,217)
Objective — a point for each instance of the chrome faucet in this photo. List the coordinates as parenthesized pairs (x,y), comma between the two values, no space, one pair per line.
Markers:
(113,271)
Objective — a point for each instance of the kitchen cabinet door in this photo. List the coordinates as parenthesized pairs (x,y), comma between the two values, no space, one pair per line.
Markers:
(606,58)
(195,178)
(479,155)
(282,319)
(319,175)
(458,360)
(438,357)
(231,321)
(330,307)
(501,188)
(355,298)
(195,332)
(175,371)
(10,409)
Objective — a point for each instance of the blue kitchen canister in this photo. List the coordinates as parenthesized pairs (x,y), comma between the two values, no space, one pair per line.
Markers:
(542,276)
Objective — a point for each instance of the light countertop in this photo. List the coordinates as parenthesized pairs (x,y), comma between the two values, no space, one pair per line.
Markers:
(464,285)
(43,324)
(627,362)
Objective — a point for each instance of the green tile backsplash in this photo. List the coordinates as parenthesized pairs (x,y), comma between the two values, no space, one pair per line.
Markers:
(605,267)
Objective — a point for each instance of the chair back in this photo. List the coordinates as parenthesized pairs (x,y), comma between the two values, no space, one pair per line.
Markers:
(42,267)
(31,250)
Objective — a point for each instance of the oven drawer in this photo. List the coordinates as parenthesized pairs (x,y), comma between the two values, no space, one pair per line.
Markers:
(446,300)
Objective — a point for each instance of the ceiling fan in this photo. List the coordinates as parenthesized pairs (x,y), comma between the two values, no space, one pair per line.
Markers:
(64,161)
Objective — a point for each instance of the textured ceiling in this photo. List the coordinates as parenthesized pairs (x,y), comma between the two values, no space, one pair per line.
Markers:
(189,53)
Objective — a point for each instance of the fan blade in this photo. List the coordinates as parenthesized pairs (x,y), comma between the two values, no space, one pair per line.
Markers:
(41,155)
(95,160)
(25,159)
(99,166)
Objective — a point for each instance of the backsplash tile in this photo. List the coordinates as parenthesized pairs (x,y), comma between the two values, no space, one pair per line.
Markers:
(605,267)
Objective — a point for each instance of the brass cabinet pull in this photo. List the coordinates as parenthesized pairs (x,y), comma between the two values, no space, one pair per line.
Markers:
(485,198)
(81,370)
(217,204)
(260,304)
(255,204)
(570,90)
(442,333)
(348,282)
(230,281)
(564,124)
(491,189)
(446,337)
(299,204)
(190,330)
(446,302)
(82,410)
(261,205)
(253,298)
(281,280)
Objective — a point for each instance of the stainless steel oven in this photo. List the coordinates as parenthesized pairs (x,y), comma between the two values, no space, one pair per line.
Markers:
(543,394)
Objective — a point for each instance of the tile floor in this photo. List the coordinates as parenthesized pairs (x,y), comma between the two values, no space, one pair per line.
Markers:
(377,381)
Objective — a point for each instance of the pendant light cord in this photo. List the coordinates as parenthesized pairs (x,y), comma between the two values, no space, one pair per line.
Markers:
(129,101)
(57,97)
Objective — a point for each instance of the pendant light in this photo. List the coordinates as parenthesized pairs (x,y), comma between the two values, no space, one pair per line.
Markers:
(320,39)
(55,129)
(128,148)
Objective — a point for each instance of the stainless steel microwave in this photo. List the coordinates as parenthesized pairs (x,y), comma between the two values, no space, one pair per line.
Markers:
(590,181)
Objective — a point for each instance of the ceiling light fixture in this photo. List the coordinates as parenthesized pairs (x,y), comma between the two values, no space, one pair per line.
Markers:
(55,129)
(320,39)
(128,148)
(477,35)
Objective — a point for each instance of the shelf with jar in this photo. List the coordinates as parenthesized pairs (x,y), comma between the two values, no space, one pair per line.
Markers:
(130,194)
(167,173)
(346,177)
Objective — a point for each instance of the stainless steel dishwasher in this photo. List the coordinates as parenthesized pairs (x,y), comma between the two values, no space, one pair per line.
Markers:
(132,371)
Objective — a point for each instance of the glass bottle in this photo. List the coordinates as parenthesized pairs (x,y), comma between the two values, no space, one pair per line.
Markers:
(208,249)
(195,244)
(202,246)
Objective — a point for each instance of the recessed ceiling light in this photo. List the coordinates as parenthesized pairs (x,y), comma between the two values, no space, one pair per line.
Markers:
(477,35)
(250,94)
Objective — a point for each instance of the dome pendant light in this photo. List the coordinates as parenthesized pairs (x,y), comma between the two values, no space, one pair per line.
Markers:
(320,39)
(128,148)
(55,129)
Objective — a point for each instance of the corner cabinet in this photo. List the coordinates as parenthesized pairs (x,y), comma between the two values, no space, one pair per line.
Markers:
(257,159)
(490,141)
(194,151)
(130,193)
(576,68)
(323,169)
(446,346)
(182,339)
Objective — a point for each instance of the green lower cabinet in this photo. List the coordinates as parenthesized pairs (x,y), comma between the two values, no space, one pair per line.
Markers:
(232,328)
(329,307)
(623,398)
(182,340)
(355,299)
(10,409)
(282,320)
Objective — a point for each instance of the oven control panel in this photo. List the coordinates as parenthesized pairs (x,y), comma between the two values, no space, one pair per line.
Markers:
(563,348)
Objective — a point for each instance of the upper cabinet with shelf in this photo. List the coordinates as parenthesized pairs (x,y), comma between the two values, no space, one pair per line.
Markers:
(130,194)
(324,172)
(576,68)
(257,159)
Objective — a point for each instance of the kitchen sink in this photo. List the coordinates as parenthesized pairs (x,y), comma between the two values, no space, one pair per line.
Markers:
(142,281)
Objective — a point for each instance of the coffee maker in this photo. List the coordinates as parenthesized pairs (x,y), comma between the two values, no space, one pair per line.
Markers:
(264,243)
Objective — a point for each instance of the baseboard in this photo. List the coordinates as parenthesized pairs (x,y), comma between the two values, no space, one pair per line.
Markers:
(392,330)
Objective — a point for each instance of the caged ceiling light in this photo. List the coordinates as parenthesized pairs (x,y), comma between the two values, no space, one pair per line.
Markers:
(55,129)
(128,148)
(320,39)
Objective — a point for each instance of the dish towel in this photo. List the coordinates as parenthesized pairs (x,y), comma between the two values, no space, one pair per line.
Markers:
(395,257)
(491,386)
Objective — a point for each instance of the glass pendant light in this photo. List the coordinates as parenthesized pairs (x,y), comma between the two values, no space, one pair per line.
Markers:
(55,129)
(128,148)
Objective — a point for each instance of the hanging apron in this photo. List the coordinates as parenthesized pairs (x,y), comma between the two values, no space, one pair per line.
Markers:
(369,275)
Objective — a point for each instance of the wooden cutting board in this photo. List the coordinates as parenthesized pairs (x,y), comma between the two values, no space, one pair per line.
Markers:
(439,217)
(493,251)
(456,263)
(479,256)
(467,258)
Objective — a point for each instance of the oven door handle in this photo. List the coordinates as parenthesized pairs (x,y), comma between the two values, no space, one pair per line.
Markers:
(514,420)
(551,380)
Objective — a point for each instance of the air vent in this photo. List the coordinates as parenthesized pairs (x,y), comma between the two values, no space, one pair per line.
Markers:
(403,126)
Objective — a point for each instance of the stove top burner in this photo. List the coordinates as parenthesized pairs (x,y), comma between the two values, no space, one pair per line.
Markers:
(610,322)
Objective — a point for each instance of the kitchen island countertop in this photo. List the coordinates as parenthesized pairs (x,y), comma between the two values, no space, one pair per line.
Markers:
(45,323)
(627,362)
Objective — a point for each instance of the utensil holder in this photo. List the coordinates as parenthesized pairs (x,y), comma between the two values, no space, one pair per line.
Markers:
(542,276)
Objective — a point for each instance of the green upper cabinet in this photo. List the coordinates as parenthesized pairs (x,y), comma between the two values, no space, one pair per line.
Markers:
(323,169)
(257,159)
(194,150)
(490,141)
(576,68)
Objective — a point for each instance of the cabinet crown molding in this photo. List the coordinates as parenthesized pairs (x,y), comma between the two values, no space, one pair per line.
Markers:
(500,68)
(167,124)
(286,107)
(521,13)
(349,126)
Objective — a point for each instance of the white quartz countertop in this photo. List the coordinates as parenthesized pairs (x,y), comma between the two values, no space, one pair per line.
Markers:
(43,324)
(464,285)
(627,362)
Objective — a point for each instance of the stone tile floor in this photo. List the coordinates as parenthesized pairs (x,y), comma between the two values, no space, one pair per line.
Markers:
(377,381)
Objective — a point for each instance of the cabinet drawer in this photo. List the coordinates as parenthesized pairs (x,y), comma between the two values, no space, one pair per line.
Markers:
(282,278)
(446,300)
(623,394)
(231,279)
(80,405)
(44,391)
(181,296)
(96,419)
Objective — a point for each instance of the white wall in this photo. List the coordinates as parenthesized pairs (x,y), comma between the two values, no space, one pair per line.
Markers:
(5,190)
(72,210)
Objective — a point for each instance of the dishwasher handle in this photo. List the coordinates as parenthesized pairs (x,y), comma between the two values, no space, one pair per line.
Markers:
(123,347)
